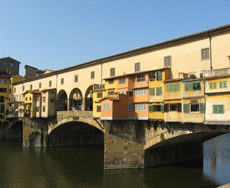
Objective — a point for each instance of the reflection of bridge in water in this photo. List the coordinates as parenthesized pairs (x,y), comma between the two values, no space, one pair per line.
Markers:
(127,144)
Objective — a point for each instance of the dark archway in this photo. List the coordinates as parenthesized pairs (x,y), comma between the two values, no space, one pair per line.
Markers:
(76,134)
(89,99)
(16,130)
(62,101)
(75,99)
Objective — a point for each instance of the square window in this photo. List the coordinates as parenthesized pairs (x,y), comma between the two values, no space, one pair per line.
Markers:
(92,75)
(205,53)
(111,81)
(76,78)
(195,108)
(122,81)
(167,61)
(137,67)
(141,78)
(112,72)
(98,108)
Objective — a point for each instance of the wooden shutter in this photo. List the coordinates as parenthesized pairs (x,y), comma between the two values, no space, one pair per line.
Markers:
(166,107)
(201,107)
(159,91)
(159,75)
(150,108)
(162,108)
(179,107)
(186,108)
(152,91)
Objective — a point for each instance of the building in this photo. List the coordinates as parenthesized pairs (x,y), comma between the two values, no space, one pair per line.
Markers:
(9,65)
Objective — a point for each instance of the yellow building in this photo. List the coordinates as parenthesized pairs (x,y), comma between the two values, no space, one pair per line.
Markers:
(217,96)
(156,93)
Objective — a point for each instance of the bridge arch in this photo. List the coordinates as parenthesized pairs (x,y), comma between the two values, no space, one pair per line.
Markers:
(72,132)
(89,99)
(62,100)
(75,99)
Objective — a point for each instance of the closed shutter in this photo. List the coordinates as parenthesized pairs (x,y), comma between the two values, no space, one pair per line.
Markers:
(218,109)
(159,91)
(159,75)
(224,84)
(152,91)
(186,108)
(201,107)
(162,108)
(179,107)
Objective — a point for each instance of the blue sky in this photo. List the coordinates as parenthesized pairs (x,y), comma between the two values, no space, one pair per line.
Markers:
(56,34)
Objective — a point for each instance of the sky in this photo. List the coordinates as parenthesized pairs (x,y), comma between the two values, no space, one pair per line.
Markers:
(56,34)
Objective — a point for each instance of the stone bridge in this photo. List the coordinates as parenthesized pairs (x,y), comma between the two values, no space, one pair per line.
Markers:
(127,143)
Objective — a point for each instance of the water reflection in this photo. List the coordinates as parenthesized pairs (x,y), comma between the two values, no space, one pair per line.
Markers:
(217,159)
(83,167)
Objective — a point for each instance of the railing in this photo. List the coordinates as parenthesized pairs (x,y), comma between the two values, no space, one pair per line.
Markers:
(75,113)
(217,72)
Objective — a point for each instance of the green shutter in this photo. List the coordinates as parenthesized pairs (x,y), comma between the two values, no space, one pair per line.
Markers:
(150,108)
(224,84)
(187,86)
(221,109)
(210,85)
(162,108)
(152,91)
(201,107)
(214,85)
(220,84)
(159,75)
(186,108)
(179,107)
(159,91)
(218,109)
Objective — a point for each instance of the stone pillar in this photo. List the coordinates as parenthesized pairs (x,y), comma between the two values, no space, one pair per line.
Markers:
(124,144)
(34,135)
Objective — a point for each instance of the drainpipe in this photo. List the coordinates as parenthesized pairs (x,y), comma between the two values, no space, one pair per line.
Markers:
(210,51)
(101,72)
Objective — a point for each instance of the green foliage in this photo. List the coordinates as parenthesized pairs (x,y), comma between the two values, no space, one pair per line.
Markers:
(162,137)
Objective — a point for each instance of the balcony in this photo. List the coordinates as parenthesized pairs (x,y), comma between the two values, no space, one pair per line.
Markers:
(216,72)
(99,86)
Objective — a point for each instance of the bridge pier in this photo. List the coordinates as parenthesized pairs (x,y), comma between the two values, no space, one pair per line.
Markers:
(124,144)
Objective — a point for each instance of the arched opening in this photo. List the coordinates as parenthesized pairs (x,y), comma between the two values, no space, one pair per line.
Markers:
(76,134)
(62,101)
(75,99)
(16,130)
(89,99)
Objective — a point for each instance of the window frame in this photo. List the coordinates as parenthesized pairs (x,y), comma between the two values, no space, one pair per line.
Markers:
(205,53)
(137,67)
(168,61)
(112,71)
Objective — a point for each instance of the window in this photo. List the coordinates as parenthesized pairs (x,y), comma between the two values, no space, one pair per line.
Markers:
(129,93)
(192,86)
(44,108)
(175,107)
(2,108)
(152,91)
(99,95)
(11,65)
(167,61)
(172,88)
(222,84)
(50,83)
(31,86)
(3,90)
(159,91)
(62,81)
(52,100)
(2,99)
(5,82)
(111,81)
(40,85)
(76,78)
(44,99)
(4,66)
(205,53)
(131,107)
(92,75)
(110,92)
(37,109)
(140,107)
(37,98)
(141,92)
(152,76)
(212,85)
(141,78)
(137,67)
(52,92)
(10,91)
(159,75)
(218,109)
(14,89)
(186,108)
(98,108)
(195,108)
(112,72)
(121,80)
(23,88)
(106,106)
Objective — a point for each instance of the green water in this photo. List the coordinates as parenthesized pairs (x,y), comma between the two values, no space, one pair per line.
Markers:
(71,167)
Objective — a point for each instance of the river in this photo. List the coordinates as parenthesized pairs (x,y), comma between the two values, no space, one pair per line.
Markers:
(71,167)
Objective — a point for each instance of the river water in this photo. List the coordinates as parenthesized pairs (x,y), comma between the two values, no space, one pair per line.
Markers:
(71,167)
